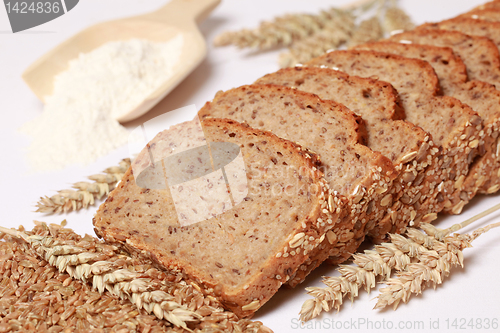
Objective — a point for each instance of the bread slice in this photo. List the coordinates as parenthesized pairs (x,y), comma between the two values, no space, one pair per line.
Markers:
(479,54)
(378,104)
(449,68)
(332,131)
(455,127)
(469,26)
(482,97)
(245,253)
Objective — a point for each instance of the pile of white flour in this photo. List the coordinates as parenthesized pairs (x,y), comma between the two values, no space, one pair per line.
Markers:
(78,122)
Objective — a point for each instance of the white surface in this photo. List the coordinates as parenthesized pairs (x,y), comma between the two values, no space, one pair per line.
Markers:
(470,293)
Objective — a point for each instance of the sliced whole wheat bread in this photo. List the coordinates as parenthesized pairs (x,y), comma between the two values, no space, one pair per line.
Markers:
(378,104)
(479,54)
(481,96)
(330,130)
(469,26)
(454,126)
(268,234)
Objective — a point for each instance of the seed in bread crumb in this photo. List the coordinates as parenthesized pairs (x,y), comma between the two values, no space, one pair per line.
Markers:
(429,217)
(409,157)
(331,236)
(493,189)
(473,144)
(386,200)
(251,306)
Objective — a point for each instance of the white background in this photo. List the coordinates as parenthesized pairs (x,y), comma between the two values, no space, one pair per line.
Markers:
(469,293)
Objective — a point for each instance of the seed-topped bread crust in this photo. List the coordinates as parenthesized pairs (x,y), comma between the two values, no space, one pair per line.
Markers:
(455,127)
(268,234)
(377,103)
(329,129)
(481,96)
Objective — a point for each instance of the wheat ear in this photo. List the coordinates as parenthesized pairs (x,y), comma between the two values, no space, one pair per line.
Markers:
(84,194)
(80,264)
(335,33)
(282,31)
(396,20)
(102,260)
(367,31)
(371,264)
(379,263)
(288,29)
(431,269)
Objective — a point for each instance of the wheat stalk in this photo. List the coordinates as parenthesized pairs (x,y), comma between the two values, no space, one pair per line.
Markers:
(367,31)
(110,270)
(430,269)
(309,36)
(396,20)
(434,254)
(342,30)
(335,33)
(282,31)
(84,194)
(288,29)
(371,264)
(80,264)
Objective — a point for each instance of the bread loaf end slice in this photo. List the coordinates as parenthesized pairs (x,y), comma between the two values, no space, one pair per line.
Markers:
(244,254)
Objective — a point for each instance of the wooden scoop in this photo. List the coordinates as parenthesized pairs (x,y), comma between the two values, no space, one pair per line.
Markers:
(178,16)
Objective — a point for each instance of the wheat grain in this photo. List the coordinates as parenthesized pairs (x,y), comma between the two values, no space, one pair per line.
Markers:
(85,193)
(111,272)
(35,297)
(124,283)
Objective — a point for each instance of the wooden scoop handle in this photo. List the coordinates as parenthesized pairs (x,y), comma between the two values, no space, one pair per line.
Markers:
(196,10)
